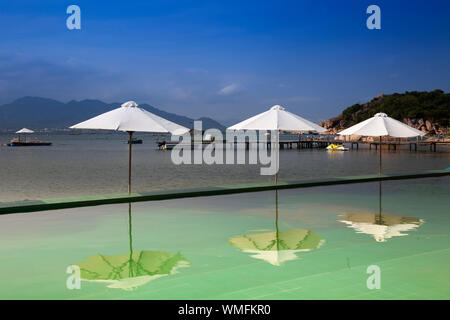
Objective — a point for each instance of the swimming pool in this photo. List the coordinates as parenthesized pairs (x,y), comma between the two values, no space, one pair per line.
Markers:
(235,247)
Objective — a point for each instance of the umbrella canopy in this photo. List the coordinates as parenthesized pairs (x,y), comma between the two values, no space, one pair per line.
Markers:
(25,130)
(129,271)
(129,117)
(381,125)
(277,247)
(381,227)
(277,118)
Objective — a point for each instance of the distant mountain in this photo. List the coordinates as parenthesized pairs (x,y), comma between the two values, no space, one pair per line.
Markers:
(40,113)
(425,111)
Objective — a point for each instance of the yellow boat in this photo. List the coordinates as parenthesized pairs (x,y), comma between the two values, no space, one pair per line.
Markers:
(337,147)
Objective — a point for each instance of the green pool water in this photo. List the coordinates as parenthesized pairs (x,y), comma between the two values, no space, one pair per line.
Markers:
(235,247)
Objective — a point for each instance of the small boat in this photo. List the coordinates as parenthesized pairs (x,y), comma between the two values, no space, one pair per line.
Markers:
(135,141)
(336,147)
(17,142)
(168,146)
(28,143)
(194,143)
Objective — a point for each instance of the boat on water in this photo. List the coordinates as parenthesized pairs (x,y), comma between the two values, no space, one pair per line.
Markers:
(336,147)
(27,143)
(169,146)
(17,142)
(163,145)
(135,141)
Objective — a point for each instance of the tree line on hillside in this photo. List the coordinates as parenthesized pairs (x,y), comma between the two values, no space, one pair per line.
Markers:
(433,106)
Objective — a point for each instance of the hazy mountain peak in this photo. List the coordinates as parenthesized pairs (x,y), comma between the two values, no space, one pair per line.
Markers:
(39,113)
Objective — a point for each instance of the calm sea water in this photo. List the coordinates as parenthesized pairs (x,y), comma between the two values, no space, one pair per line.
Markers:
(89,164)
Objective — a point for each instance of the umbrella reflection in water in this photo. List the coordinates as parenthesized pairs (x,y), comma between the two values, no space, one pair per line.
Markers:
(279,246)
(380,226)
(131,270)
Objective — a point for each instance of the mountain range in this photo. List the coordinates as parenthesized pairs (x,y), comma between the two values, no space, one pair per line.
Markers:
(40,113)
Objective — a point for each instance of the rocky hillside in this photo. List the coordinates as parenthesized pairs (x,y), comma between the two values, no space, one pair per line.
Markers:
(425,111)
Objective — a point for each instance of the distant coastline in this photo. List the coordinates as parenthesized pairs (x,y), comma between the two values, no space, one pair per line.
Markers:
(52,115)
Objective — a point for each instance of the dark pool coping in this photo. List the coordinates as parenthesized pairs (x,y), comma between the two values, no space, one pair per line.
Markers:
(85,201)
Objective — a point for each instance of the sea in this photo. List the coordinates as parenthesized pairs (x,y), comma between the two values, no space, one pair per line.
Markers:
(78,164)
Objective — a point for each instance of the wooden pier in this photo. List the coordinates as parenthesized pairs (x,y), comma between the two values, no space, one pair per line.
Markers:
(323,143)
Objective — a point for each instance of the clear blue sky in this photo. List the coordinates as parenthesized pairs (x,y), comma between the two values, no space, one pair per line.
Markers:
(224,59)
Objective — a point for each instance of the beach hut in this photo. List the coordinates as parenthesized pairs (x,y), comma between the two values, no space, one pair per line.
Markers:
(130,118)
(277,119)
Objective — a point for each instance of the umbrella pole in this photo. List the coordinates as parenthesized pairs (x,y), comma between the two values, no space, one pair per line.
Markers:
(379,162)
(130,144)
(379,184)
(277,146)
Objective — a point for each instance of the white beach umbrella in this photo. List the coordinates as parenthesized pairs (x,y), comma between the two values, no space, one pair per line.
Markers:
(381,125)
(25,130)
(130,118)
(276,119)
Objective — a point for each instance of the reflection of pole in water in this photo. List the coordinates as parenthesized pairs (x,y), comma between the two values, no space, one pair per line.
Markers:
(130,142)
(379,199)
(276,219)
(130,262)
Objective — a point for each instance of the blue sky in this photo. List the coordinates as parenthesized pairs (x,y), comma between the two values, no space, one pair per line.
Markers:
(224,59)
